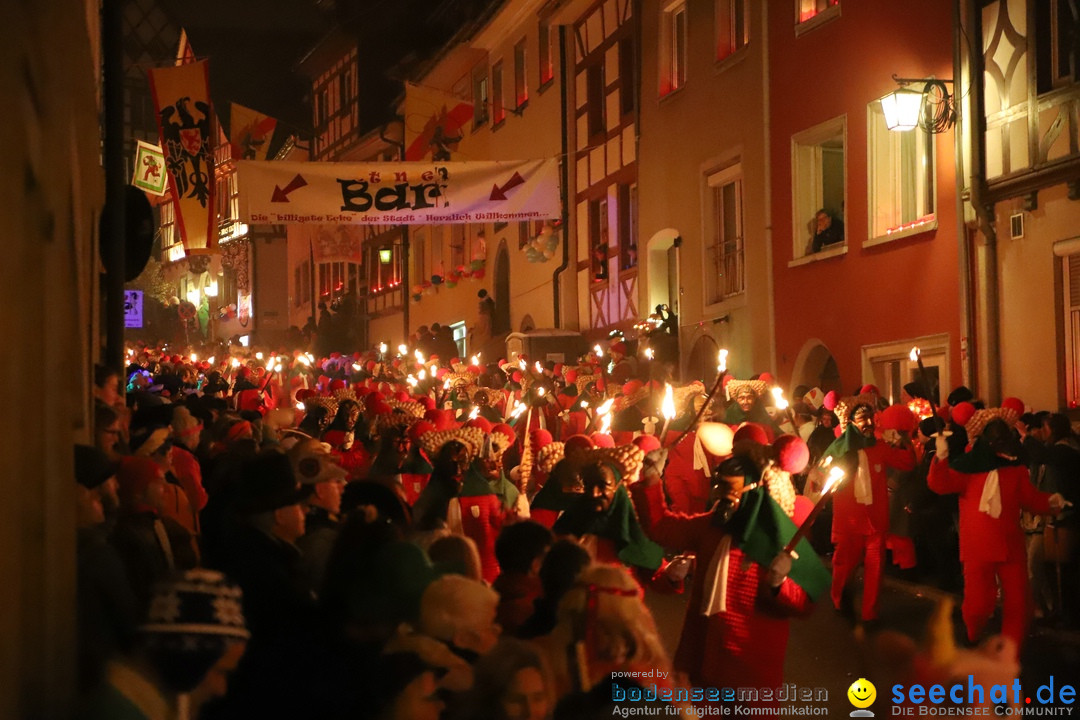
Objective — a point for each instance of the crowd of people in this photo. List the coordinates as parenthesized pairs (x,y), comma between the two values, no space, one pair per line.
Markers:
(403,533)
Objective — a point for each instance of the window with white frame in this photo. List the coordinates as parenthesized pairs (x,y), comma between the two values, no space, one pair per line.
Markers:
(498,106)
(673,47)
(900,177)
(732,27)
(1057,43)
(521,87)
(809,9)
(480,96)
(819,187)
(724,264)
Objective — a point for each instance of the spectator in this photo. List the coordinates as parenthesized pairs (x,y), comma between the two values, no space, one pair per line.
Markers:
(565,560)
(520,550)
(827,231)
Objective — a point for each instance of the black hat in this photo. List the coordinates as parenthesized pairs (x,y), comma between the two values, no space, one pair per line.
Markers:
(215,383)
(929,426)
(92,467)
(959,395)
(267,483)
(915,390)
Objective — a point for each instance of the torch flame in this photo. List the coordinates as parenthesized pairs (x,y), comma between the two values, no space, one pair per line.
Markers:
(403,349)
(540,391)
(258,356)
(605,407)
(519,407)
(914,354)
(434,370)
(722,357)
(649,353)
(300,407)
(422,375)
(382,348)
(355,366)
(419,357)
(474,412)
(305,361)
(411,380)
(277,368)
(194,357)
(599,352)
(667,407)
(539,367)
(584,404)
(235,363)
(475,360)
(446,384)
(836,474)
(605,422)
(778,399)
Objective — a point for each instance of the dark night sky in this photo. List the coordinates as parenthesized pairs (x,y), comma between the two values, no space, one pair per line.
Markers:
(252,47)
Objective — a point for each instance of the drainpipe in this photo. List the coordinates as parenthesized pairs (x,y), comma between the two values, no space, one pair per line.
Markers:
(564,192)
(113,237)
(963,256)
(990,348)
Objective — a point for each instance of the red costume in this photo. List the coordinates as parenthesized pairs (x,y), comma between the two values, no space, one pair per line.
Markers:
(992,547)
(859,527)
(744,645)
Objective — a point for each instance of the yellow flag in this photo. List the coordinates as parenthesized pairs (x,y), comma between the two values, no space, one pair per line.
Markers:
(250,132)
(435,122)
(185,125)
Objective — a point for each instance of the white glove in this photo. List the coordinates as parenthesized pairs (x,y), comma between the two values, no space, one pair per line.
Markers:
(779,569)
(941,447)
(521,507)
(679,568)
(1058,503)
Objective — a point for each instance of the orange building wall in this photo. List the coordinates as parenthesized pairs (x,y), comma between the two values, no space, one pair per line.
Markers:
(902,289)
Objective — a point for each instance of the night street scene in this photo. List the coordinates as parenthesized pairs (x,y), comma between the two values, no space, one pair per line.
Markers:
(540,359)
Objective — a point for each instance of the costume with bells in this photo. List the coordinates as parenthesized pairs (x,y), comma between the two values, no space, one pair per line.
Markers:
(994,486)
(736,627)
(861,505)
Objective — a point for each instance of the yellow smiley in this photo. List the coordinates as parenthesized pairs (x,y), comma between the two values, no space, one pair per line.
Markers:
(862,693)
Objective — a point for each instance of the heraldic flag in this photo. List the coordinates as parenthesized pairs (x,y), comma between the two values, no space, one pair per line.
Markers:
(250,132)
(435,122)
(185,121)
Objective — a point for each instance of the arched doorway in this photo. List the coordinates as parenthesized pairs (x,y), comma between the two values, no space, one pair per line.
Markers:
(501,321)
(702,362)
(663,269)
(815,366)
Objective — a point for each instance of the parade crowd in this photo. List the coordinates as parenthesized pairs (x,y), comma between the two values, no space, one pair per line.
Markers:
(402,533)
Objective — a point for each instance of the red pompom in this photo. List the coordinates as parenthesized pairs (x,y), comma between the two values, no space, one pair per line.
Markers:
(830,400)
(602,440)
(647,443)
(898,417)
(752,432)
(962,413)
(1015,404)
(792,454)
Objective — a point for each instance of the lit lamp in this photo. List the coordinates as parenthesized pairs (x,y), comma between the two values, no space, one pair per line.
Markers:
(933,109)
(902,108)
(211,291)
(385,256)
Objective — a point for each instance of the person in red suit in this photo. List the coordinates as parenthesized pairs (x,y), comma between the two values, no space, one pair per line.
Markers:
(488,501)
(735,631)
(994,487)
(861,504)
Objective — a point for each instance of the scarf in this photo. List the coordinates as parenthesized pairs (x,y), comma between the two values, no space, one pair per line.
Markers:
(982,459)
(618,524)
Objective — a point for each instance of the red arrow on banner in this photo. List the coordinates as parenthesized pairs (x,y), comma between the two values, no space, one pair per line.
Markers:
(499,193)
(283,195)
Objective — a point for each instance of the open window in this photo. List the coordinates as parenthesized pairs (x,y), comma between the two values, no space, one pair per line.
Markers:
(819,189)
(732,27)
(723,263)
(672,47)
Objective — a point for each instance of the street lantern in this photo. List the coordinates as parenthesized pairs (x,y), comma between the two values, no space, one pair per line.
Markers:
(933,108)
(902,109)
(386,255)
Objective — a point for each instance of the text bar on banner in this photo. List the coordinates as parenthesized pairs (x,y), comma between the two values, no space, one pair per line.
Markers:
(403,193)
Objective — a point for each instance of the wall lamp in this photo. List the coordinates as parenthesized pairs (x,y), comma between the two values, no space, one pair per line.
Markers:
(931,108)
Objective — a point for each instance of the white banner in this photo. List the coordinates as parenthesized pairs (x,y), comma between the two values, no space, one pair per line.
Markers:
(397,193)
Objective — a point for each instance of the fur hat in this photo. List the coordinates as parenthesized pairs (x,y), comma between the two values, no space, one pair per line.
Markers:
(737,387)
(312,463)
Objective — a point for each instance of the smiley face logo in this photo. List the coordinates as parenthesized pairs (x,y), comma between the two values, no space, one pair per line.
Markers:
(862,693)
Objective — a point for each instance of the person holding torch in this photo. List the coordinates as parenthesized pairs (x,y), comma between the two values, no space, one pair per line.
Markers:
(861,503)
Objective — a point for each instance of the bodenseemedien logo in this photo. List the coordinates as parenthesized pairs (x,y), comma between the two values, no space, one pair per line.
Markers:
(862,694)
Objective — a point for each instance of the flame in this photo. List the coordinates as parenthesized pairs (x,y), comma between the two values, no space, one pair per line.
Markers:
(235,363)
(474,412)
(605,407)
(422,375)
(434,370)
(475,360)
(836,474)
(605,422)
(382,348)
(305,361)
(599,352)
(649,353)
(539,367)
(411,380)
(277,367)
(300,407)
(194,357)
(357,366)
(667,407)
(446,384)
(778,399)
(914,354)
(584,404)
(419,357)
(403,349)
(258,356)
(540,391)
(519,407)
(722,358)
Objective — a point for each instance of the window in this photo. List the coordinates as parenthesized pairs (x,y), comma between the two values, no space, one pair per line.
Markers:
(628,251)
(891,367)
(523,235)
(228,291)
(627,85)
(819,184)
(302,284)
(673,48)
(724,260)
(346,88)
(384,276)
(460,334)
(498,106)
(418,248)
(732,27)
(331,281)
(901,177)
(1057,37)
(458,242)
(169,236)
(521,90)
(598,239)
(808,9)
(480,97)
(547,67)
(594,87)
